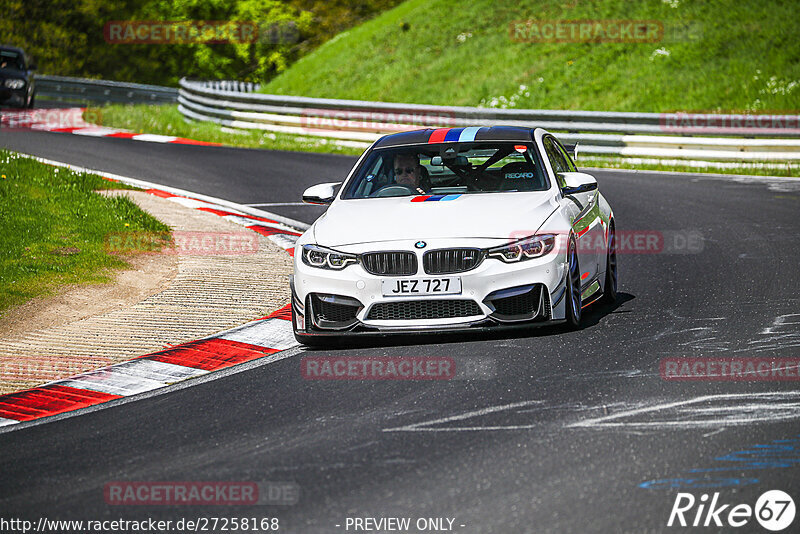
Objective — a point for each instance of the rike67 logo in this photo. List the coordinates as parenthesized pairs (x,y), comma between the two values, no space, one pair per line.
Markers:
(774,510)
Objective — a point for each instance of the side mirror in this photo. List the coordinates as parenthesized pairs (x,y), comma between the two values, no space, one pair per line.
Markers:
(578,182)
(320,193)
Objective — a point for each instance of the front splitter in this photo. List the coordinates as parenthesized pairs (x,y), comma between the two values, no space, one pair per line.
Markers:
(481,327)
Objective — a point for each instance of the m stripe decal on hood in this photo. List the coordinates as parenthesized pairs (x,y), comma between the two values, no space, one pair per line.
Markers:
(434,198)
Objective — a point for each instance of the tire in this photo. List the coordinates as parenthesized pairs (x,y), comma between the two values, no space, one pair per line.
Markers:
(32,102)
(573,296)
(610,286)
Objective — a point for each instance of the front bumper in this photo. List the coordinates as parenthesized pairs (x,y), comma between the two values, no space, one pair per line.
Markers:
(494,294)
(13,97)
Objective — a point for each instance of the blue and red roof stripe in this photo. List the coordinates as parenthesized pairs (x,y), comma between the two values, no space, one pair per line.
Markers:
(434,198)
(451,135)
(437,136)
(461,135)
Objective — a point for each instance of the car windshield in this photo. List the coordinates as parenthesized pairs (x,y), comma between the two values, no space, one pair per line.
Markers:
(9,59)
(449,168)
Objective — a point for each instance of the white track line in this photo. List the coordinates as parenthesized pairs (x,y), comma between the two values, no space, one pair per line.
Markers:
(421,427)
(4,421)
(605,421)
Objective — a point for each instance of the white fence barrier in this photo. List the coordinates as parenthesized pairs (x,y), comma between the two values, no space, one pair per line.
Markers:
(669,135)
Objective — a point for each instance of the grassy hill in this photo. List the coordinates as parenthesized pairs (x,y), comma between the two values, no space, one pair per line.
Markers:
(715,55)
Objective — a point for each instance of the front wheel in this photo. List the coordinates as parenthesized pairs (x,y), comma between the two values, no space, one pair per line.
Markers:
(573,303)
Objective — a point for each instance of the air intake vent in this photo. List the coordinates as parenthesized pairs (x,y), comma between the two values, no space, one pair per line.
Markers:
(333,311)
(451,260)
(423,309)
(389,263)
(337,313)
(518,305)
(523,303)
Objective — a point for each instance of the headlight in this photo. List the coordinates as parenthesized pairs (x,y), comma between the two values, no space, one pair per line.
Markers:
(325,258)
(524,249)
(15,83)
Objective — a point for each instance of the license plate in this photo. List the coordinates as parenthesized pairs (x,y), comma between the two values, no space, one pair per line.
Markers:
(397,287)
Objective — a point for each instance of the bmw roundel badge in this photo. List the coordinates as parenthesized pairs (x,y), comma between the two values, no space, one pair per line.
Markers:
(420,244)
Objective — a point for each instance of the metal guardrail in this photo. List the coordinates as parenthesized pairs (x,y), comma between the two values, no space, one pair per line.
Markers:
(355,122)
(82,90)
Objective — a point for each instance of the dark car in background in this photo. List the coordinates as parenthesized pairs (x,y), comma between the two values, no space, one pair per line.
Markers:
(17,86)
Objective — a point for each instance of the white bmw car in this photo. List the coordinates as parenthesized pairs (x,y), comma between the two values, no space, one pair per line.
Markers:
(454,229)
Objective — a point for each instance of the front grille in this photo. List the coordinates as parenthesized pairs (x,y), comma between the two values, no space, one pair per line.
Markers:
(423,309)
(451,260)
(389,263)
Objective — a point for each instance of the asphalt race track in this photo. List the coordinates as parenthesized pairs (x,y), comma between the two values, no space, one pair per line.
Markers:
(560,432)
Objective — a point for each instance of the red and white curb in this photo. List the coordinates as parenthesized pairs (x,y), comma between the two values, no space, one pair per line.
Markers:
(251,341)
(70,120)
(274,230)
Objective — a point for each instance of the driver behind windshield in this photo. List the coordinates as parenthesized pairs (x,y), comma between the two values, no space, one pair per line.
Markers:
(408,172)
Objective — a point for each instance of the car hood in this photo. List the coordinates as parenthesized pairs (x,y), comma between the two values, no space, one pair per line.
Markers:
(489,215)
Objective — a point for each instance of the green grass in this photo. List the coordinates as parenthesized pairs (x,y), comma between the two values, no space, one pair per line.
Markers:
(737,57)
(54,227)
(167,120)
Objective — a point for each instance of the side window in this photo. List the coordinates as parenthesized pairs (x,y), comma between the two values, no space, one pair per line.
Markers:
(556,160)
(570,164)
